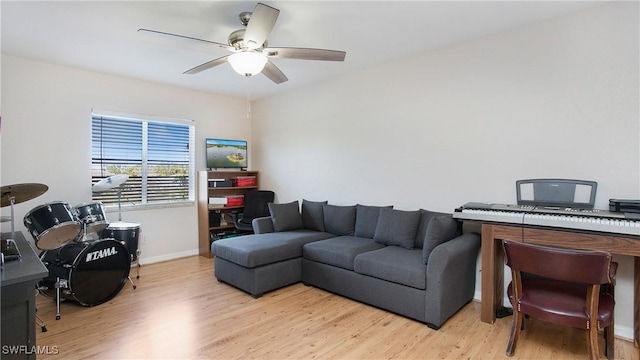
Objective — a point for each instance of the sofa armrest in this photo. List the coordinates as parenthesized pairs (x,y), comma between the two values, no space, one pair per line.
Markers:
(262,225)
(451,277)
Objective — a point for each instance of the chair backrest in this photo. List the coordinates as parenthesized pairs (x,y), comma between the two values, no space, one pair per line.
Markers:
(255,203)
(589,267)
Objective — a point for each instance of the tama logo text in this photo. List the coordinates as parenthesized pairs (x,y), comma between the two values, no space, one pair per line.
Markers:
(95,255)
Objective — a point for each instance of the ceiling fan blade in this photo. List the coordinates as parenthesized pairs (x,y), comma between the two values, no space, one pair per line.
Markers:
(155,32)
(305,54)
(207,65)
(272,72)
(260,25)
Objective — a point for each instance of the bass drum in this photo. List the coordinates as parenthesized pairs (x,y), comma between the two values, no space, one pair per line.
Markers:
(95,271)
(52,225)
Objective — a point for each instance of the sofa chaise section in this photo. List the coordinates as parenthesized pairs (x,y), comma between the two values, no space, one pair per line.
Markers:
(263,262)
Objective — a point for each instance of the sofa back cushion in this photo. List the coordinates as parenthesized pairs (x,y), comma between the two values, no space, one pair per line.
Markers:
(397,227)
(425,217)
(312,215)
(339,220)
(286,216)
(367,219)
(441,228)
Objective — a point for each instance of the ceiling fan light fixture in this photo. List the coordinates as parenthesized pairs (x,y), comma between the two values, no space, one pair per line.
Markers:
(247,63)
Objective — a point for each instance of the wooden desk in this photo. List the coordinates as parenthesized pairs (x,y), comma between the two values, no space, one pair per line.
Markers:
(18,279)
(493,260)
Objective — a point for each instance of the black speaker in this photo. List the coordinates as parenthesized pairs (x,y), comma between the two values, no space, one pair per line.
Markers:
(214,218)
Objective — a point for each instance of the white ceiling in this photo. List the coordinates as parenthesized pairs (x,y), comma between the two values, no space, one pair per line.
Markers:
(102,35)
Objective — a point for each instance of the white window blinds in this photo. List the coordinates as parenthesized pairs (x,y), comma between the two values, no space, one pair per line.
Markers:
(157,156)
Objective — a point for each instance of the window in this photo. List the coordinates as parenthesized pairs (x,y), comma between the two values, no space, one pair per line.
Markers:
(157,156)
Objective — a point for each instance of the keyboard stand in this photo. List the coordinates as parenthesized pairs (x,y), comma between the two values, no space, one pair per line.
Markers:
(493,259)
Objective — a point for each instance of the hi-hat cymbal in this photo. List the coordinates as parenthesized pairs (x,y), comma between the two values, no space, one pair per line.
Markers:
(110,182)
(22,192)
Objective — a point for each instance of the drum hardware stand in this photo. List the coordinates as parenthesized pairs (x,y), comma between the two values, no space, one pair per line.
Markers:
(119,189)
(12,201)
(59,284)
(116,181)
(137,262)
(39,320)
(132,283)
(119,205)
(120,219)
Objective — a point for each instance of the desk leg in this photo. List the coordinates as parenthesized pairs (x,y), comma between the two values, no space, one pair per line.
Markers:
(636,301)
(492,275)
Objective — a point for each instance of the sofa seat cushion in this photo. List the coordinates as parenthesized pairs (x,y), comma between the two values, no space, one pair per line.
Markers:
(395,264)
(260,249)
(339,251)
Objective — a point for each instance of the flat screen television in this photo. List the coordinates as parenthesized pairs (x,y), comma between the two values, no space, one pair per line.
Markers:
(223,153)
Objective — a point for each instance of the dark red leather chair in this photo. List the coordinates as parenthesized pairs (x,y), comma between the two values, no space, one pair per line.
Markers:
(566,287)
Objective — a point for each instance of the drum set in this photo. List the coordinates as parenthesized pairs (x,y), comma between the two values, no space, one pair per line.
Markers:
(88,258)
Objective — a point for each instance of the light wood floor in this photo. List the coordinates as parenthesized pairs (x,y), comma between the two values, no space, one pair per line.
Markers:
(180,311)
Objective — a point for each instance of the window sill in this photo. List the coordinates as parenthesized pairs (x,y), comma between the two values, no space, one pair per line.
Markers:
(127,208)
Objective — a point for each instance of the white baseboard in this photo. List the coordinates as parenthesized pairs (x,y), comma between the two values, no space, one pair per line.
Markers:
(155,259)
(622,332)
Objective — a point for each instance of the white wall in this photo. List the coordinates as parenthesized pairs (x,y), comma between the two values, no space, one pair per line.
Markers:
(46,138)
(555,99)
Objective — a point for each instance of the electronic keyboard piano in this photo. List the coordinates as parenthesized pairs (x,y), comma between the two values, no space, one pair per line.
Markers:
(588,229)
(554,217)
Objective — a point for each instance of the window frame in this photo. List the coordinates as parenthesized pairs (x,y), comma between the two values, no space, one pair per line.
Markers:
(144,120)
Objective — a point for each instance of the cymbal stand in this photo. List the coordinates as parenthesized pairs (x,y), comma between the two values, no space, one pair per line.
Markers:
(119,206)
(12,201)
(138,250)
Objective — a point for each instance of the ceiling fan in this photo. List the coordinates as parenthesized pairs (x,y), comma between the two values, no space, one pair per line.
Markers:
(251,53)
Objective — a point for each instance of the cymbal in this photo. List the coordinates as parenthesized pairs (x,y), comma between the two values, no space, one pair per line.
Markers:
(110,182)
(22,192)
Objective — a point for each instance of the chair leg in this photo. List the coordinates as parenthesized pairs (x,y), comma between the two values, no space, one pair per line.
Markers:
(592,342)
(609,342)
(516,327)
(608,331)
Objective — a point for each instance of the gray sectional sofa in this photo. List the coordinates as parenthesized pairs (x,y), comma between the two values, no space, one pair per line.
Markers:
(413,263)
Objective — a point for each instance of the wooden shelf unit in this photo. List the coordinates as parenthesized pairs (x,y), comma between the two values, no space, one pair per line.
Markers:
(204,192)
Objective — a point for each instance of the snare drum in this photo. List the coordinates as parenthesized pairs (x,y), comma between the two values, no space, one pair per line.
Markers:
(92,215)
(52,225)
(127,233)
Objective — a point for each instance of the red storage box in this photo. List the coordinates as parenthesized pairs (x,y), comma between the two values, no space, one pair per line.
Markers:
(235,200)
(246,181)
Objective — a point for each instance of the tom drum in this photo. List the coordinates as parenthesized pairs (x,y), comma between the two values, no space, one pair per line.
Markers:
(52,225)
(92,215)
